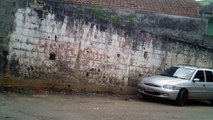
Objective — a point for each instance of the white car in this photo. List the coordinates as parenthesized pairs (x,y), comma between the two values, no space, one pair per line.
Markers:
(180,83)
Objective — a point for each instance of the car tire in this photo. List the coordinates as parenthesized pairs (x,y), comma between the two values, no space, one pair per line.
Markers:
(211,102)
(181,98)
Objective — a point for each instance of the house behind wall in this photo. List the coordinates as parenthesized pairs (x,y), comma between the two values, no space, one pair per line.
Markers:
(68,43)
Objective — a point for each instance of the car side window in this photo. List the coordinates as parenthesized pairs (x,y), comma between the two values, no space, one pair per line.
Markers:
(209,76)
(200,75)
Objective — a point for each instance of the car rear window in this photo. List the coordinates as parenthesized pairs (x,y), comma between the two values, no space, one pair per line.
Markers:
(209,76)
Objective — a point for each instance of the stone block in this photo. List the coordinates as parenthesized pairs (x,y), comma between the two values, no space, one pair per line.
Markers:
(3,33)
(5,27)
(5,3)
(9,11)
(2,11)
(2,18)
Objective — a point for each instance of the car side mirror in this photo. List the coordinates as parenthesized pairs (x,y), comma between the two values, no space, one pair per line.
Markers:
(196,80)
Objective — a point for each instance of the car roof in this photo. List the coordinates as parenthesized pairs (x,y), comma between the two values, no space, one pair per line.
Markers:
(194,67)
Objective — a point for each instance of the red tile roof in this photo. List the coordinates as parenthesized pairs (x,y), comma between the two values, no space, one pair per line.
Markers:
(173,7)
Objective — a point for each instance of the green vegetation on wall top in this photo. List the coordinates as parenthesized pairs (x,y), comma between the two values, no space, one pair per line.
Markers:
(99,13)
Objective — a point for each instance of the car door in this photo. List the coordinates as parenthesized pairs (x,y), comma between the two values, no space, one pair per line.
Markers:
(209,84)
(197,89)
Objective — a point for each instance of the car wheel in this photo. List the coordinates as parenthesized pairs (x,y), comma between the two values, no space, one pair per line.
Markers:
(211,102)
(181,98)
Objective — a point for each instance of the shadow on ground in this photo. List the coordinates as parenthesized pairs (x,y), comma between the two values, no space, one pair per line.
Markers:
(130,98)
(172,102)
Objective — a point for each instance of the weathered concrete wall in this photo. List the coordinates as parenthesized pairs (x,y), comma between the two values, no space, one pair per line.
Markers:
(187,29)
(7,10)
(61,47)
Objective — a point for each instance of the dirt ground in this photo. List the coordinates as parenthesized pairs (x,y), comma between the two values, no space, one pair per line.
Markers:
(15,106)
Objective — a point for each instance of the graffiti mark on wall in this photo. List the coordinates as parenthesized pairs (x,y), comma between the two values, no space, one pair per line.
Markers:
(63,50)
(95,54)
(67,51)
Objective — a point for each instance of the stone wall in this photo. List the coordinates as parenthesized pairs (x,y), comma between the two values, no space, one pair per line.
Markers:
(186,29)
(7,10)
(53,44)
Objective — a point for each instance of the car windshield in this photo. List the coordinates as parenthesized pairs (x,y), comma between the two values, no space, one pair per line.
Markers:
(179,72)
